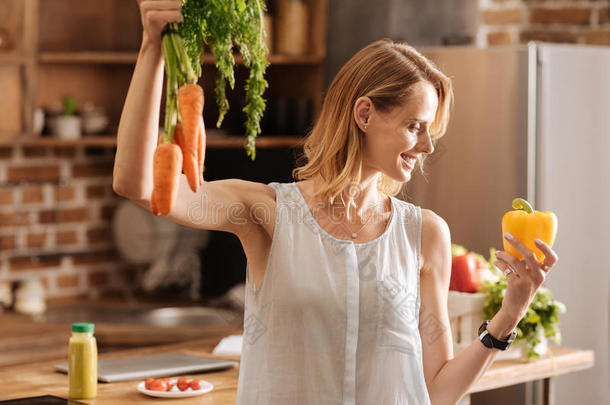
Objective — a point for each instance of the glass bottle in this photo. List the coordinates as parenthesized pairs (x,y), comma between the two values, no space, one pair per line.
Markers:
(82,362)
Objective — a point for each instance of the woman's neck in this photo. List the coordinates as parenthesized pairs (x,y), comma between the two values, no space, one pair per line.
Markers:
(367,201)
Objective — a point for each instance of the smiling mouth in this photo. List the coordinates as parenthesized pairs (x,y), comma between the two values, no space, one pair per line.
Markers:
(409,161)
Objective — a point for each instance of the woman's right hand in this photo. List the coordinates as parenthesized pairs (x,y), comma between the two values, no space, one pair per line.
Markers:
(155,15)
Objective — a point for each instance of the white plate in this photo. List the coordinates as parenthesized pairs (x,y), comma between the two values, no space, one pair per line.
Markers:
(175,391)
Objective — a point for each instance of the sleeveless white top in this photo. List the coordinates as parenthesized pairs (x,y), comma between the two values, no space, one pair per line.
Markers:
(333,321)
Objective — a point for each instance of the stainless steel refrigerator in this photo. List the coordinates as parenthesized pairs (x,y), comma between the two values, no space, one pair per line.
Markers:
(534,121)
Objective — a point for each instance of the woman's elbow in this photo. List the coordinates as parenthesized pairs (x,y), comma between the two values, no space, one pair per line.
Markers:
(127,189)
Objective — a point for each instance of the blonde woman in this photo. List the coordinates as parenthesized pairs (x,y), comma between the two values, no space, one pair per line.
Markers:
(346,298)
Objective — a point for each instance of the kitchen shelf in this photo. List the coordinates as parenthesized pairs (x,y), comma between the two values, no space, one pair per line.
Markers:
(131,58)
(88,50)
(11,58)
(89,57)
(109,141)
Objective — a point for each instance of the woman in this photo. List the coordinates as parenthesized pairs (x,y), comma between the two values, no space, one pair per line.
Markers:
(346,298)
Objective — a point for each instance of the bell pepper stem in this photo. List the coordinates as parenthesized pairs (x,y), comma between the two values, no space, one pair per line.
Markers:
(521,204)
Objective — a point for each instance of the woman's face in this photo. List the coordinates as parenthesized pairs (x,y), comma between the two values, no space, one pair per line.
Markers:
(396,140)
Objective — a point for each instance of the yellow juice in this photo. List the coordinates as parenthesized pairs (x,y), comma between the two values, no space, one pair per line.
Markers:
(82,363)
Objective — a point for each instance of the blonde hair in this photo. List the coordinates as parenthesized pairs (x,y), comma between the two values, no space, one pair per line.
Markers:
(384,71)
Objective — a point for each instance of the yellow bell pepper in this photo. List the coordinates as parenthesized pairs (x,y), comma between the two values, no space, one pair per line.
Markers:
(526,225)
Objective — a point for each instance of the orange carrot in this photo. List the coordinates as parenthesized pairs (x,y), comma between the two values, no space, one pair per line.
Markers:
(190,104)
(201,148)
(167,163)
(188,162)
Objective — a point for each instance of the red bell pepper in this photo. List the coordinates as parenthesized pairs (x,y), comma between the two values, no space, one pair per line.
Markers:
(465,273)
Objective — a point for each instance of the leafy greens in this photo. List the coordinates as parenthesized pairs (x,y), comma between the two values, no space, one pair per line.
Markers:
(219,25)
(541,320)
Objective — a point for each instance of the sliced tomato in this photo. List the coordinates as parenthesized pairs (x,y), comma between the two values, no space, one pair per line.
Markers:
(195,385)
(158,385)
(183,383)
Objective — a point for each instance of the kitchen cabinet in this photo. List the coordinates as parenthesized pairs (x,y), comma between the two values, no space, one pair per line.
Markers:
(88,49)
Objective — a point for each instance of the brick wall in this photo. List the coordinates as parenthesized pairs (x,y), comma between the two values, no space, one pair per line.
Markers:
(505,22)
(58,200)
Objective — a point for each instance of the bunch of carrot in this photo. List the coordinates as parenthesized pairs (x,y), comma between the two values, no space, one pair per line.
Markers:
(182,152)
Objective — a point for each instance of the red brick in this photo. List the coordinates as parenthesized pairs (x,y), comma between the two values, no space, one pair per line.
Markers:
(35,151)
(14,219)
(92,170)
(64,152)
(65,237)
(502,17)
(36,240)
(33,173)
(566,15)
(95,257)
(107,212)
(499,38)
(96,191)
(31,195)
(604,15)
(30,263)
(6,196)
(7,242)
(97,235)
(548,36)
(67,280)
(64,193)
(98,278)
(597,37)
(67,215)
(6,152)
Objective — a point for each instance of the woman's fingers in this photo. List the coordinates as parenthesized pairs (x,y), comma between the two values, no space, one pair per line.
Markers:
(501,264)
(550,257)
(156,14)
(528,255)
(512,262)
(146,5)
(164,16)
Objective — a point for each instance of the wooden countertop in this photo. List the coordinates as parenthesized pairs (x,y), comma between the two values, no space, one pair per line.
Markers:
(28,351)
(560,360)
(40,379)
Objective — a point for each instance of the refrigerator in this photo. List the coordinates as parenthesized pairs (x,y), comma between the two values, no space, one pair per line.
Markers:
(533,121)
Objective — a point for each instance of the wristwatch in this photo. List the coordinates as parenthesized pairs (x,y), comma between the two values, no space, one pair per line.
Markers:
(492,342)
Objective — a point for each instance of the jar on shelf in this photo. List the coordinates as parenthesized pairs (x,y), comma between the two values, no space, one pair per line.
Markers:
(291,33)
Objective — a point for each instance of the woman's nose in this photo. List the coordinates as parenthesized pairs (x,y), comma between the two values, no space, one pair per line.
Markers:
(427,146)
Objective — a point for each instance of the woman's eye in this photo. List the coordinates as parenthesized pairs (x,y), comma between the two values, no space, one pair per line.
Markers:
(414,128)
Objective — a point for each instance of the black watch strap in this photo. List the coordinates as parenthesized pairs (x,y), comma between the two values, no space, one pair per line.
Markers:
(489,341)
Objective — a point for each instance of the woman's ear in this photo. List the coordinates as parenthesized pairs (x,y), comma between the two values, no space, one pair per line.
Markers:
(363,107)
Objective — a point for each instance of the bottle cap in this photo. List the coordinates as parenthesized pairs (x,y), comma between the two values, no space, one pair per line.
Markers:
(83,327)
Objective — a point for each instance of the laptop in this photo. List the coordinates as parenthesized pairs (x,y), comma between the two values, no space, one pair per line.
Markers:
(153,366)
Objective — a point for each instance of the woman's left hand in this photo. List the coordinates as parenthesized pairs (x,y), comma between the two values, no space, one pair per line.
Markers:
(525,278)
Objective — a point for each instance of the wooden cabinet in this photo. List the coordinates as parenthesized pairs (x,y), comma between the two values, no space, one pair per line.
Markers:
(88,49)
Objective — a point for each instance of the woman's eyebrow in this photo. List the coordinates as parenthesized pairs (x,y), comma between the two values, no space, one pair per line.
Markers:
(420,120)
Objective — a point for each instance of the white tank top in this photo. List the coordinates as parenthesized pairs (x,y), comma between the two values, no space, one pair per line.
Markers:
(333,321)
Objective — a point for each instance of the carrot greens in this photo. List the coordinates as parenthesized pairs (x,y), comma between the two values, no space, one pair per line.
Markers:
(220,26)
